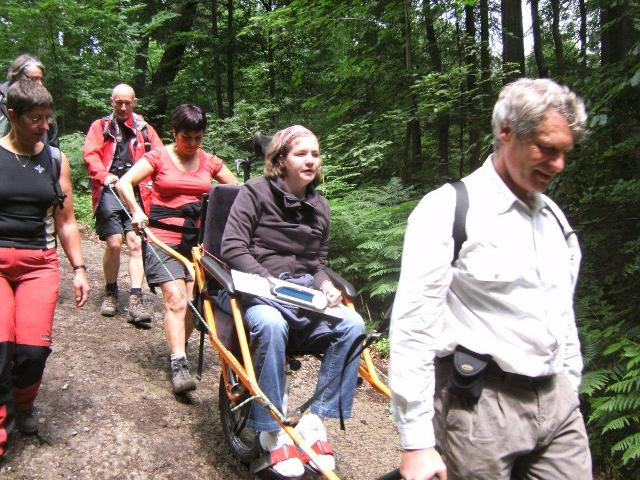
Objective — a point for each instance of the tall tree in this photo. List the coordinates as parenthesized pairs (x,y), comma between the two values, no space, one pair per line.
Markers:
(141,57)
(485,53)
(557,37)
(618,33)
(443,118)
(583,32)
(231,43)
(618,37)
(217,68)
(269,6)
(471,62)
(512,39)
(543,70)
(170,62)
(412,149)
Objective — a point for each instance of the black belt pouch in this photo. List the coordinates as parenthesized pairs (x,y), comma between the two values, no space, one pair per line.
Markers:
(468,372)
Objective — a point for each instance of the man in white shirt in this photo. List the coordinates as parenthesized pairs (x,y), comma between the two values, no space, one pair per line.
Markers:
(506,300)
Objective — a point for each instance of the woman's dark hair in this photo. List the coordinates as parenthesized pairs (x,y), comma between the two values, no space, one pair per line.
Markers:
(20,64)
(188,118)
(24,95)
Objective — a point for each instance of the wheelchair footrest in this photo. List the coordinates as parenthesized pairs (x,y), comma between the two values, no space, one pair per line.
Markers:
(271,474)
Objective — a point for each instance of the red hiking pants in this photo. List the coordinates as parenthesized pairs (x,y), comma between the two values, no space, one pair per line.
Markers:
(29,283)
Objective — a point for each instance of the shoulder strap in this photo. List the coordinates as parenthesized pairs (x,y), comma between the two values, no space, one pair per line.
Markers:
(105,127)
(460,218)
(145,137)
(565,231)
(5,124)
(141,125)
(55,156)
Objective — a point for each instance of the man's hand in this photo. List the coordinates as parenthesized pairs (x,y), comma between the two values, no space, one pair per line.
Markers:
(425,464)
(110,180)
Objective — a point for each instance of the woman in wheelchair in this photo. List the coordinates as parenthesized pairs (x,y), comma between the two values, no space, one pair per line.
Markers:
(181,173)
(279,227)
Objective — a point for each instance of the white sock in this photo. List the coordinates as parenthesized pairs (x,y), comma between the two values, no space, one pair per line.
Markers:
(177,356)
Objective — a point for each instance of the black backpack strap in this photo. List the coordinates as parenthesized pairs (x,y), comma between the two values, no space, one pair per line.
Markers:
(141,125)
(460,218)
(145,137)
(565,232)
(106,123)
(55,157)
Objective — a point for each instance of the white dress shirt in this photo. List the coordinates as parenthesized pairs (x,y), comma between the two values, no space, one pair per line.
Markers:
(509,294)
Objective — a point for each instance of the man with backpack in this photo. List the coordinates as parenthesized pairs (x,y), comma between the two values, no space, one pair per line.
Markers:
(485,356)
(113,144)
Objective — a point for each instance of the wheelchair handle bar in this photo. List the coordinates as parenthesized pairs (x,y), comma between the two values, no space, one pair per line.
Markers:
(396,475)
(392,475)
(259,144)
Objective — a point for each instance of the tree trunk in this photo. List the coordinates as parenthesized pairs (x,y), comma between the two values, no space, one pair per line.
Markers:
(617,32)
(442,119)
(217,75)
(543,70)
(471,61)
(269,7)
(140,65)
(141,56)
(485,54)
(170,62)
(557,38)
(412,151)
(230,55)
(583,32)
(512,39)
(618,36)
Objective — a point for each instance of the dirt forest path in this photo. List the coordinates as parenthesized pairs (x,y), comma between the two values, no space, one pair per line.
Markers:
(107,411)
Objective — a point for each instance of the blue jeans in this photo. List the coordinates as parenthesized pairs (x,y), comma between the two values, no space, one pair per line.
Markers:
(269,333)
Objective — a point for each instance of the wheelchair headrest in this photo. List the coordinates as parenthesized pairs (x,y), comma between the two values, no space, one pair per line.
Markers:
(260,144)
(221,198)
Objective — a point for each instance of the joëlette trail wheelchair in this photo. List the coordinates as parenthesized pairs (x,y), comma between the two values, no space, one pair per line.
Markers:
(238,386)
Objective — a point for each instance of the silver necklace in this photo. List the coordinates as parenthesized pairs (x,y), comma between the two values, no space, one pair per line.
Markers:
(23,165)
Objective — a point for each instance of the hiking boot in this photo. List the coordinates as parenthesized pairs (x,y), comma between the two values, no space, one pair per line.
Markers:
(26,422)
(181,380)
(109,305)
(138,313)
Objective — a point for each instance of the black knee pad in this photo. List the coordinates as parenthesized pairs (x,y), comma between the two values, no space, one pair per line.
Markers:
(28,366)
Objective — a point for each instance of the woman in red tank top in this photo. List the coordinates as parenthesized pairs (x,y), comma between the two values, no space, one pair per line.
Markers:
(181,173)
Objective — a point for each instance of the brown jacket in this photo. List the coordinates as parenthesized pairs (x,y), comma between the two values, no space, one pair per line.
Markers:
(270,231)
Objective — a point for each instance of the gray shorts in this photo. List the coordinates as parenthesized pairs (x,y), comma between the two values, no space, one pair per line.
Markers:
(111,218)
(155,269)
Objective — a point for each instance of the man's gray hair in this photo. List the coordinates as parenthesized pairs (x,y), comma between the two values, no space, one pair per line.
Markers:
(20,64)
(522,105)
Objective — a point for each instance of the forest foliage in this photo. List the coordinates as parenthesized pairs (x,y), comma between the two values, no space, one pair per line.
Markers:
(400,94)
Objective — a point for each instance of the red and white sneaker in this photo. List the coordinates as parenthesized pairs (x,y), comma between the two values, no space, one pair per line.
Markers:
(285,458)
(311,429)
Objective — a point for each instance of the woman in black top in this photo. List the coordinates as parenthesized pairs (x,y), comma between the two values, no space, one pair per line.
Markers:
(35,181)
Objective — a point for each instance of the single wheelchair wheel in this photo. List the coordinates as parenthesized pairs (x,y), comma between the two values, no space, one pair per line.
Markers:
(243,441)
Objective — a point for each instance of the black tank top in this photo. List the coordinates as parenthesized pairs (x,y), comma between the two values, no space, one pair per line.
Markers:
(26,201)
